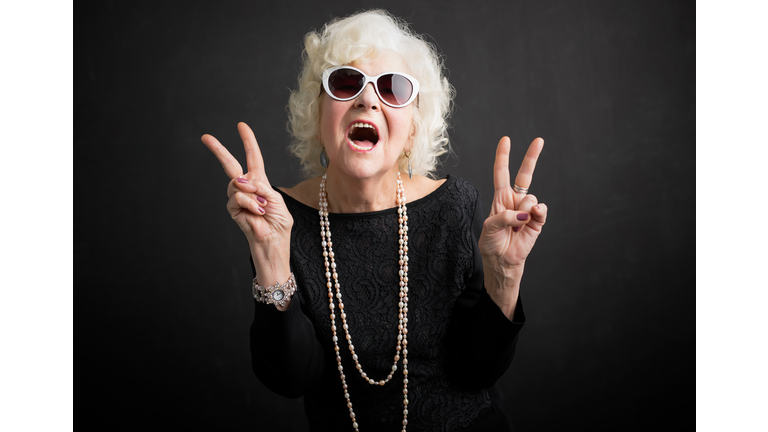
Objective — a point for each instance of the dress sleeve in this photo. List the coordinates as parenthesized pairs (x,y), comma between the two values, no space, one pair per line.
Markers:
(481,340)
(285,353)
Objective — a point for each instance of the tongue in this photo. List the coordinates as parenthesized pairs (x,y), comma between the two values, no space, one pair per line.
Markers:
(364,143)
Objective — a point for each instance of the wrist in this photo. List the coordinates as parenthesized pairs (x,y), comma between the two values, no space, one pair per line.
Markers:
(272,265)
(503,285)
(506,275)
(278,294)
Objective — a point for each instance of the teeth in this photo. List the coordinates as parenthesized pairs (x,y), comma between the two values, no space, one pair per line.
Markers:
(362,125)
(360,148)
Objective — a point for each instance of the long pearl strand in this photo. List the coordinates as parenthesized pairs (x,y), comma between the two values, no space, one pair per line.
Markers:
(330,273)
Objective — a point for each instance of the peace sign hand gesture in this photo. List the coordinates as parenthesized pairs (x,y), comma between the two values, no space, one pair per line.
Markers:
(259,210)
(512,228)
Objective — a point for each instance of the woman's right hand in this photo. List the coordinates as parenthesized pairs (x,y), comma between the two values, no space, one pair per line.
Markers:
(259,210)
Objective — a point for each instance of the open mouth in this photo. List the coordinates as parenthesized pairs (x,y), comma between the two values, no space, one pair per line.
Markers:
(363,136)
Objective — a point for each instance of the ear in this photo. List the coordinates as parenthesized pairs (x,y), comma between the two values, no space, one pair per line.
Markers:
(415,120)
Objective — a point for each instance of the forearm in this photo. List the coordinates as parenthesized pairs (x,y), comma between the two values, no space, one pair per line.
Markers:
(477,357)
(503,284)
(285,353)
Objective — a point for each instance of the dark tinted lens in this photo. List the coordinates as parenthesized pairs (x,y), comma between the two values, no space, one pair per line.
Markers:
(395,89)
(345,83)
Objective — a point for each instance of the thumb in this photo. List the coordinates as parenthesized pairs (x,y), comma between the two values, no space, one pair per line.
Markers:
(254,187)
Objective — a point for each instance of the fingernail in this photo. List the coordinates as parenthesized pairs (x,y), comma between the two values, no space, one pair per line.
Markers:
(242,180)
(537,207)
(522,216)
(515,229)
(261,210)
(261,200)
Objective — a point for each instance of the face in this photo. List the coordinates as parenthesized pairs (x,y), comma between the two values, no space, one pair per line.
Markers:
(364,137)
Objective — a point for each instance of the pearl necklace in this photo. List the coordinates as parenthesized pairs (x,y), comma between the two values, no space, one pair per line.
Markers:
(330,272)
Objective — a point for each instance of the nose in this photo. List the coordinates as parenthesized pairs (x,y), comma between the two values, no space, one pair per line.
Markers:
(368,99)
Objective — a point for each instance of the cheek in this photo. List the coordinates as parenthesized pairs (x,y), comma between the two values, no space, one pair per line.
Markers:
(404,126)
(326,124)
(323,129)
(331,114)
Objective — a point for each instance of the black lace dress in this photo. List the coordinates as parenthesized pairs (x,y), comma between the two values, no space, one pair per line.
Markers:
(459,341)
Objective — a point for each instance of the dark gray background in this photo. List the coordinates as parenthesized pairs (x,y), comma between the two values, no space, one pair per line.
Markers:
(161,272)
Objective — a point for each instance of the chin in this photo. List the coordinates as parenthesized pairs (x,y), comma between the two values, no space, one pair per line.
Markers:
(365,169)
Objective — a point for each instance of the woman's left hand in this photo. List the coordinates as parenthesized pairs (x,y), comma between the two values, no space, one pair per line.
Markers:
(512,228)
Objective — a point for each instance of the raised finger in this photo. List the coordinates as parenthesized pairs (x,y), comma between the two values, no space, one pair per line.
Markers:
(525,174)
(501,165)
(228,162)
(253,157)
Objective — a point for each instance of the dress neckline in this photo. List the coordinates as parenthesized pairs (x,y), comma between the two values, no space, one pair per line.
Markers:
(415,203)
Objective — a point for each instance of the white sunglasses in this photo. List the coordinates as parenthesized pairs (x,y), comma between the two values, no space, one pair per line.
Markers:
(395,89)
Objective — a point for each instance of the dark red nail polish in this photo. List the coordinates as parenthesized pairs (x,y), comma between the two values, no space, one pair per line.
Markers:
(515,229)
(261,210)
(522,216)
(242,180)
(261,200)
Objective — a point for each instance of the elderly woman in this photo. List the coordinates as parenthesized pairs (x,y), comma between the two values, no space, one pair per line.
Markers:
(407,315)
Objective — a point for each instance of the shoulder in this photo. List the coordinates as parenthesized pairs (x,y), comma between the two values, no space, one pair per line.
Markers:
(460,195)
(420,187)
(305,192)
(461,186)
(459,190)
(450,195)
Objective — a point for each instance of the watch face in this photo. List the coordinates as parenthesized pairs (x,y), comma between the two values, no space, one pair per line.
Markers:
(278,295)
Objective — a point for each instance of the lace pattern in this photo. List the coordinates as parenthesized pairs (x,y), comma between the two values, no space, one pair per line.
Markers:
(366,246)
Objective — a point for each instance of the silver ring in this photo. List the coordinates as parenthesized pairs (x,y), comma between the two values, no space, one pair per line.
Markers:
(519,189)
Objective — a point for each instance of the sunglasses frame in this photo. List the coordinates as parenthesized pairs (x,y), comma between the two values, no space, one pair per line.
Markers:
(369,79)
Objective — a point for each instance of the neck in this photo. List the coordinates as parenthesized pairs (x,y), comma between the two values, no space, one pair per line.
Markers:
(361,195)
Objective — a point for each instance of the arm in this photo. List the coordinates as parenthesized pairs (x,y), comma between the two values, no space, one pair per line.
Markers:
(488,315)
(286,356)
(481,338)
(258,210)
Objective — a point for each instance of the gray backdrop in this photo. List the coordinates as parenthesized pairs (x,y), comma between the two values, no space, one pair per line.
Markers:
(161,272)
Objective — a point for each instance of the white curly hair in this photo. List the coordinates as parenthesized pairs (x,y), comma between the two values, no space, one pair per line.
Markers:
(360,38)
